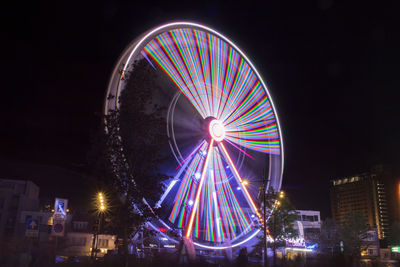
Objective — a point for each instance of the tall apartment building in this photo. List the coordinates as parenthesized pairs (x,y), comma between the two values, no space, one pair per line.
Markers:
(363,193)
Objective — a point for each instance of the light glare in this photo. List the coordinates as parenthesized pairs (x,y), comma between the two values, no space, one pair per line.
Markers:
(217,130)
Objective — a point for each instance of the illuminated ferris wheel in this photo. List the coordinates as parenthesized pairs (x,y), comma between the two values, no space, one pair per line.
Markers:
(222,128)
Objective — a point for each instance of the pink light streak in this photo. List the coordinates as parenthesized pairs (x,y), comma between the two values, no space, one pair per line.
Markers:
(230,142)
(191,154)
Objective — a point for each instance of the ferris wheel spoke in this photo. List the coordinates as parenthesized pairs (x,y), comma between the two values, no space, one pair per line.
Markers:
(240,181)
(183,165)
(190,67)
(199,189)
(230,217)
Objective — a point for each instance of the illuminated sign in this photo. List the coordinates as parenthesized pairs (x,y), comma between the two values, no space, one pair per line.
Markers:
(32,228)
(59,217)
(60,207)
(396,249)
(296,243)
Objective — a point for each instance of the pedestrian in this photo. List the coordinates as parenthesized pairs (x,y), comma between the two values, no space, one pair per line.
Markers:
(243,257)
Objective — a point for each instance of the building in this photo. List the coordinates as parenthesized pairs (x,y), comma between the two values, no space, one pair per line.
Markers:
(308,224)
(16,196)
(80,244)
(371,245)
(364,193)
(78,237)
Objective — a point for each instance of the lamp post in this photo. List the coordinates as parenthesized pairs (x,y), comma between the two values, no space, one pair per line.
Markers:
(101,208)
(264,201)
(265,220)
(264,223)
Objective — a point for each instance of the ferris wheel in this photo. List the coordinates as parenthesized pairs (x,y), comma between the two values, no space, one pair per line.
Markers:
(222,128)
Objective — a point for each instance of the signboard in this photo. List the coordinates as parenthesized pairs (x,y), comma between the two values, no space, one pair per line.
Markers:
(295,243)
(396,249)
(58,228)
(60,207)
(32,228)
(59,217)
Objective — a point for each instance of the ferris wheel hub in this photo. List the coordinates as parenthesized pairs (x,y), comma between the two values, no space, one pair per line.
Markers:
(217,130)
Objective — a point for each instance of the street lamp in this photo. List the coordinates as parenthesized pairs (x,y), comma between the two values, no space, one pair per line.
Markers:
(276,204)
(101,206)
(264,220)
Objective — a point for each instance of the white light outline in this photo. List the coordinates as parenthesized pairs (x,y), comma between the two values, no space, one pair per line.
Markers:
(214,194)
(173,182)
(234,245)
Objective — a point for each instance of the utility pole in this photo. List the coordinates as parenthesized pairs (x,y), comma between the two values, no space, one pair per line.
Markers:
(101,208)
(95,234)
(100,231)
(265,221)
(263,189)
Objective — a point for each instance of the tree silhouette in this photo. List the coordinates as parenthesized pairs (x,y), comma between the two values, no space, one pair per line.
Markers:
(131,153)
(354,234)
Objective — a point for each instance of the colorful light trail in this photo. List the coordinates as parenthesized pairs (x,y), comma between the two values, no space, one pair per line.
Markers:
(237,175)
(199,189)
(219,83)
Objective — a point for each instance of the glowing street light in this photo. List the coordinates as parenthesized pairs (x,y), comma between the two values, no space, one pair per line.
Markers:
(282,194)
(101,208)
(101,203)
(245,182)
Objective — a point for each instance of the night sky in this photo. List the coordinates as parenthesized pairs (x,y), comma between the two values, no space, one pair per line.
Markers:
(331,69)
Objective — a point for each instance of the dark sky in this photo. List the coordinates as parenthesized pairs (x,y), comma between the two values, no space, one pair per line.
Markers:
(331,68)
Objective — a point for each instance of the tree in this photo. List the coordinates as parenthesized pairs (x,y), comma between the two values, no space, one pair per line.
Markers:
(354,233)
(134,141)
(328,239)
(394,237)
(280,225)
